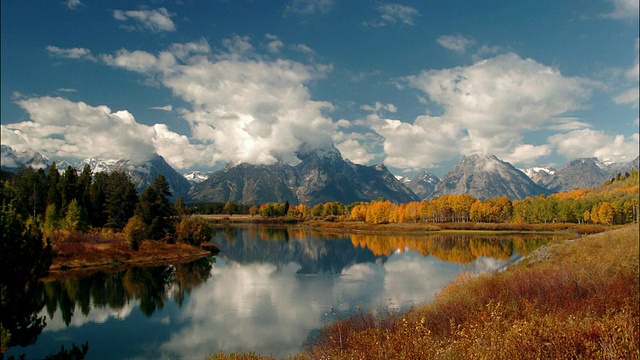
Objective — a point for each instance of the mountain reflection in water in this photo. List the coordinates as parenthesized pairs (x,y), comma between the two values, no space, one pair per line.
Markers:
(265,291)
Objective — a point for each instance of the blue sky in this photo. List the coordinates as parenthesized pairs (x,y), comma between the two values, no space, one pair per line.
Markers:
(413,84)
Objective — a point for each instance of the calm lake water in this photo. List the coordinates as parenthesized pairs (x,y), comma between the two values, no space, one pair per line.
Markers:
(267,291)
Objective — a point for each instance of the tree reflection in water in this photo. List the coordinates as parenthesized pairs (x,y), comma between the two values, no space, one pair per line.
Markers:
(152,286)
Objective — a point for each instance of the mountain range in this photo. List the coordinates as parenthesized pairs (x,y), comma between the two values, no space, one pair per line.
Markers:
(321,176)
(324,175)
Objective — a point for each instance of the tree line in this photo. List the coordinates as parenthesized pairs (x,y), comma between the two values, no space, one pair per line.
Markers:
(55,201)
(615,202)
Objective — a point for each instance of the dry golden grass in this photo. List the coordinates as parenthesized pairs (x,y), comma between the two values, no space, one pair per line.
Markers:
(423,227)
(74,250)
(578,301)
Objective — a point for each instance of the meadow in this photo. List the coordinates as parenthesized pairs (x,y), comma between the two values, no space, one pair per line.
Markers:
(572,299)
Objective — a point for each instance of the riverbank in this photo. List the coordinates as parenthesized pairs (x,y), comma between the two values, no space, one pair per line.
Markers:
(344,225)
(571,299)
(75,252)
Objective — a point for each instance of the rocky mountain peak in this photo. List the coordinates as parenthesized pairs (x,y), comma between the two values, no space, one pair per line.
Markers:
(486,176)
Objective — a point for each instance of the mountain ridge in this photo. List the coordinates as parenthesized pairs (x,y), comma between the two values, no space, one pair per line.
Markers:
(324,175)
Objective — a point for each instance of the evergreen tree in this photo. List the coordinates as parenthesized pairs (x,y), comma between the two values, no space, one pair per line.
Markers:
(120,200)
(97,194)
(155,210)
(53,193)
(24,259)
(68,186)
(84,188)
(31,191)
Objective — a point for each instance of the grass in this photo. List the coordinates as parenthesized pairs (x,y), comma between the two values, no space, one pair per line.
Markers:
(76,250)
(452,227)
(574,299)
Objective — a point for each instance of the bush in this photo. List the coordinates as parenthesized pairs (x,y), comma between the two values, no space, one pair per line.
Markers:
(193,230)
(135,231)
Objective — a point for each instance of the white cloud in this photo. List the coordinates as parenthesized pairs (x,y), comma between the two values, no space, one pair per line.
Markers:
(630,96)
(162,108)
(304,49)
(71,53)
(306,7)
(423,144)
(457,43)
(377,107)
(395,14)
(527,154)
(274,44)
(178,150)
(60,128)
(156,20)
(623,9)
(243,108)
(67,90)
(359,147)
(139,61)
(73,4)
(593,143)
(488,106)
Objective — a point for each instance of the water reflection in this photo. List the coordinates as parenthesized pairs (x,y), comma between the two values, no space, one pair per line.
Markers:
(265,292)
(151,286)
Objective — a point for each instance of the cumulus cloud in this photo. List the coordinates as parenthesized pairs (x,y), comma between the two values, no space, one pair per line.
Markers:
(593,143)
(60,128)
(156,20)
(243,107)
(360,146)
(527,154)
(457,43)
(71,53)
(391,14)
(423,144)
(488,106)
(139,61)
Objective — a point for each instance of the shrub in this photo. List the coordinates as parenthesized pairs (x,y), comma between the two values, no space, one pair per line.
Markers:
(135,231)
(193,230)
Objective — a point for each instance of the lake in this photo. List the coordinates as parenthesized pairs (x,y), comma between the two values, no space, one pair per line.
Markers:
(267,291)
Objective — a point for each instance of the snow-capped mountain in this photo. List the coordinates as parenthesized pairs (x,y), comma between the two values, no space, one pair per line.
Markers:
(540,175)
(579,173)
(322,175)
(195,176)
(423,184)
(11,159)
(403,179)
(97,165)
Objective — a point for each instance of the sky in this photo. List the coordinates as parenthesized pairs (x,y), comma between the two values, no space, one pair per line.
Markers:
(413,84)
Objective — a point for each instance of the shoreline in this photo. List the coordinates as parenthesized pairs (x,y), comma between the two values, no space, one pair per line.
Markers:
(72,258)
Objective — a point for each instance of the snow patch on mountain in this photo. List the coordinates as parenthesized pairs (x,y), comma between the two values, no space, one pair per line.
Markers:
(195,176)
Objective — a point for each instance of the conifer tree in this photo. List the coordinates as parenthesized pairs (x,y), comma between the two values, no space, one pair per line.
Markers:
(156,210)
(120,200)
